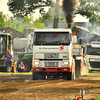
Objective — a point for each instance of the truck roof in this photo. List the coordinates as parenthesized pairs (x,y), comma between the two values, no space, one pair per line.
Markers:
(20,38)
(4,33)
(52,30)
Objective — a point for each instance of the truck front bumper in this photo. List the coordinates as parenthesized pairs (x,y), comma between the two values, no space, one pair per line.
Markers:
(52,69)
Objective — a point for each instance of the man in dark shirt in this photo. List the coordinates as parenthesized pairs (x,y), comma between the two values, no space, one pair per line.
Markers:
(8,56)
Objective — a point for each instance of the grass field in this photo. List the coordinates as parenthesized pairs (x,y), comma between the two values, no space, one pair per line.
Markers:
(98,98)
(15,73)
(94,73)
(90,74)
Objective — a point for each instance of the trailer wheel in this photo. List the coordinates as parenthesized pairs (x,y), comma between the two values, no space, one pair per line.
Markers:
(35,75)
(27,64)
(67,76)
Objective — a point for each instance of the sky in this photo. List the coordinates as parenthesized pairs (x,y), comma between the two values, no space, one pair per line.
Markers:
(4,9)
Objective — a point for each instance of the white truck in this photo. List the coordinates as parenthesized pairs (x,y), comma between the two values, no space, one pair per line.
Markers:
(53,53)
(22,48)
(92,56)
(5,44)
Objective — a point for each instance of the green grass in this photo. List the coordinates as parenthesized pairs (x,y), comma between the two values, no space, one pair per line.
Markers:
(94,73)
(91,74)
(98,98)
(16,73)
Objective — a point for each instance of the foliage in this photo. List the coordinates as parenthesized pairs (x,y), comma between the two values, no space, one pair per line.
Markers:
(90,9)
(38,24)
(22,8)
(47,19)
(20,24)
(54,10)
(2,20)
(61,19)
(98,98)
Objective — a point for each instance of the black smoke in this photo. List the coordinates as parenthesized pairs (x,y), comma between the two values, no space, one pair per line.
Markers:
(68,8)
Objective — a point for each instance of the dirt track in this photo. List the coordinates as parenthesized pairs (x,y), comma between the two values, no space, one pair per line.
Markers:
(14,89)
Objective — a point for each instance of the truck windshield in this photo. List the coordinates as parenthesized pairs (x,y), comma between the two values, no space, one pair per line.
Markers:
(2,45)
(93,51)
(51,38)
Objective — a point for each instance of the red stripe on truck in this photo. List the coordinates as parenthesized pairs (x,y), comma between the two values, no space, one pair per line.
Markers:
(52,69)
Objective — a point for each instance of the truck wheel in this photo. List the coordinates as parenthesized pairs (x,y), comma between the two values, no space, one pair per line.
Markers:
(35,75)
(67,76)
(78,68)
(28,66)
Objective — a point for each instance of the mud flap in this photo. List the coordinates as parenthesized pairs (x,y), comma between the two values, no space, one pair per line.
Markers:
(73,70)
(77,68)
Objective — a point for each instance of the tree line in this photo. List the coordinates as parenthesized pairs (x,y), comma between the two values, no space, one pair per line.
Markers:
(23,13)
(20,24)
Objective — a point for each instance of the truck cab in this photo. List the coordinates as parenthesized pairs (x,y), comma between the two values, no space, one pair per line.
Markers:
(5,44)
(23,52)
(52,50)
(92,56)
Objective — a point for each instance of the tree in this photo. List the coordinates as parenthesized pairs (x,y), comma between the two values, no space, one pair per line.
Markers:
(2,20)
(54,15)
(22,8)
(20,24)
(38,24)
(90,9)
(47,19)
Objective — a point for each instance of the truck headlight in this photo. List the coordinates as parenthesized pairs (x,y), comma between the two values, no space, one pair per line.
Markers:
(65,62)
(36,63)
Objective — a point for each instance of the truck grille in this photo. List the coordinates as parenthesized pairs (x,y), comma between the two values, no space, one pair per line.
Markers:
(95,64)
(51,55)
(51,64)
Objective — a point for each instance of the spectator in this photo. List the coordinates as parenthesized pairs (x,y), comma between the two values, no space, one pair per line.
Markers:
(21,65)
(8,56)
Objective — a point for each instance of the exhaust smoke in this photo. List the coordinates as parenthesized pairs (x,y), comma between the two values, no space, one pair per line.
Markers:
(68,8)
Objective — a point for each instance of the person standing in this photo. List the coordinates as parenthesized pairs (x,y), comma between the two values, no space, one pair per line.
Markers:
(8,56)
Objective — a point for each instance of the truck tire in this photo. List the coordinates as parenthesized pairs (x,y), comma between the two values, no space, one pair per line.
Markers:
(67,76)
(77,68)
(28,66)
(35,75)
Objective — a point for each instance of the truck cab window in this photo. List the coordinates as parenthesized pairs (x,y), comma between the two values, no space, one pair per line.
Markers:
(51,38)
(2,45)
